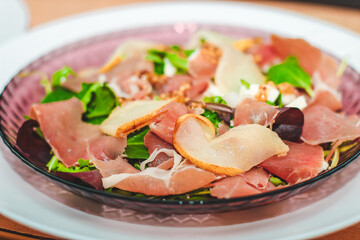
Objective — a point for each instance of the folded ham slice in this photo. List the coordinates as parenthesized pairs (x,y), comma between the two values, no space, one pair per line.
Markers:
(70,138)
(181,178)
(302,162)
(153,142)
(325,126)
(251,182)
(163,125)
(320,66)
(250,111)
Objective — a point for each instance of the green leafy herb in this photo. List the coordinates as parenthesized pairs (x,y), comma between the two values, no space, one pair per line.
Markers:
(213,117)
(47,85)
(245,83)
(135,148)
(189,52)
(179,63)
(99,101)
(61,76)
(276,181)
(54,165)
(173,55)
(289,71)
(59,94)
(159,68)
(215,99)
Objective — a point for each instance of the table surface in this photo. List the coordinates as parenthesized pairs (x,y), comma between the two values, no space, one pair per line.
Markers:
(41,11)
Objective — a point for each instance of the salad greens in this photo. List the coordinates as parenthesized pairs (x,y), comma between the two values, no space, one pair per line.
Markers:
(276,181)
(174,56)
(290,71)
(211,115)
(55,166)
(135,148)
(98,98)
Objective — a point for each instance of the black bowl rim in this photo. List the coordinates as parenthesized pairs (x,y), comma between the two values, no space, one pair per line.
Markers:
(184,203)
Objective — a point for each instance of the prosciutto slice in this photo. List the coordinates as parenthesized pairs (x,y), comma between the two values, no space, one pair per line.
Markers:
(302,162)
(153,142)
(250,111)
(251,182)
(70,138)
(181,178)
(320,66)
(163,126)
(111,167)
(323,126)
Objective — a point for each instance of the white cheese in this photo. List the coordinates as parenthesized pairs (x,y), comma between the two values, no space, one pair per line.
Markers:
(299,102)
(287,98)
(169,69)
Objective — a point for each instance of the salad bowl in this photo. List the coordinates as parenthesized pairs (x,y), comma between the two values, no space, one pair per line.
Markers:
(24,89)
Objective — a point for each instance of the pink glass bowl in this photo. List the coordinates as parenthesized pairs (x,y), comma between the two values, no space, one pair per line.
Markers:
(22,92)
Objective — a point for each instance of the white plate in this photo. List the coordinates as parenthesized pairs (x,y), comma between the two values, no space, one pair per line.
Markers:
(55,211)
(14,19)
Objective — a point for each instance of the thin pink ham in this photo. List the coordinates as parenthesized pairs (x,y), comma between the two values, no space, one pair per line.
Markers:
(302,162)
(163,126)
(250,111)
(264,54)
(251,182)
(153,142)
(159,182)
(320,66)
(190,86)
(111,167)
(201,66)
(325,126)
(70,138)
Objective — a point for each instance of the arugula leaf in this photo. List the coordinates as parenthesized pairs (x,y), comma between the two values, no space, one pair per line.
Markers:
(189,52)
(59,94)
(178,62)
(135,148)
(276,181)
(213,117)
(54,165)
(99,101)
(159,68)
(245,83)
(215,99)
(289,71)
(158,58)
(61,76)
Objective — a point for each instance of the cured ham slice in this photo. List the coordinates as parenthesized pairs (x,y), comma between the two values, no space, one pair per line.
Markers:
(320,66)
(325,95)
(251,182)
(233,65)
(181,178)
(325,126)
(153,142)
(250,111)
(111,167)
(264,54)
(185,85)
(309,57)
(70,138)
(163,126)
(201,65)
(302,162)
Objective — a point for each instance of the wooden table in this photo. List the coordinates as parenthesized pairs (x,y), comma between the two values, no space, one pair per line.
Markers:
(43,11)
